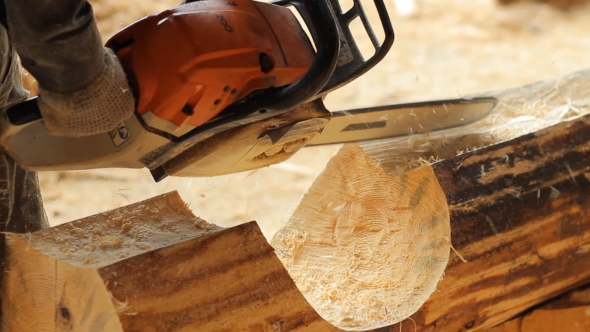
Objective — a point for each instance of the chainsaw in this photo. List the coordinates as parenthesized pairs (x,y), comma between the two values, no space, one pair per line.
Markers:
(225,86)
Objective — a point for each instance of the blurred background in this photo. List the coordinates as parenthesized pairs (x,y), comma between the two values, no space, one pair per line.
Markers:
(443,49)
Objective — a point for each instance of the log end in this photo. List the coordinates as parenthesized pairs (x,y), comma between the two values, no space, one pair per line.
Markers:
(40,293)
(367,247)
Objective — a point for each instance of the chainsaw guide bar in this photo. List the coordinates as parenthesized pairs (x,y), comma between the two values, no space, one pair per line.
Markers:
(402,120)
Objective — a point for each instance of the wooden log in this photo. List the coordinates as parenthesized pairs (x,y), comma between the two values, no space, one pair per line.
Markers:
(367,242)
(151,266)
(569,312)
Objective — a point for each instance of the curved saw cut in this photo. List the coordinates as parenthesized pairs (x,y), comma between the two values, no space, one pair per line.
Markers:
(367,247)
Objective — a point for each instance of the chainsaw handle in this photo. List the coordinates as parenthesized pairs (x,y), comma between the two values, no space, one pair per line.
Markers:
(24,112)
(24,137)
(351,63)
(279,100)
(319,15)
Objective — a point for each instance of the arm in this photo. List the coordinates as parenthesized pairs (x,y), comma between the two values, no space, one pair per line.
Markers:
(58,42)
(82,88)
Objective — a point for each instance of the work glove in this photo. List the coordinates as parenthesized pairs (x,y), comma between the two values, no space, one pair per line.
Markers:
(95,109)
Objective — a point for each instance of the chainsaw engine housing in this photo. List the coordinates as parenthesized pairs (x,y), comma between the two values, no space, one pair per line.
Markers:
(189,63)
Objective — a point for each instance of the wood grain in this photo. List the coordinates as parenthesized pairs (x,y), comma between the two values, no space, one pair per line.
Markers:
(150,266)
(228,281)
(569,312)
(44,294)
(366,246)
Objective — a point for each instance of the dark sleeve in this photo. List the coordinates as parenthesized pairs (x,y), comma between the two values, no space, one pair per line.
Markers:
(57,40)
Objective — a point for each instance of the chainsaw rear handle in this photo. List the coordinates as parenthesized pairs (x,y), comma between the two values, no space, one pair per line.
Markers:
(350,64)
(24,112)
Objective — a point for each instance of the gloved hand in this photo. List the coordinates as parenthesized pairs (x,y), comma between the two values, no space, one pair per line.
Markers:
(95,109)
(82,87)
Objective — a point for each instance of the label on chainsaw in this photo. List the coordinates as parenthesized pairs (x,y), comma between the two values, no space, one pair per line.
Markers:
(345,56)
(120,134)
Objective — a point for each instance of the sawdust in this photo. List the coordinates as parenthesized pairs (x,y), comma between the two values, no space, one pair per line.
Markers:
(111,236)
(444,49)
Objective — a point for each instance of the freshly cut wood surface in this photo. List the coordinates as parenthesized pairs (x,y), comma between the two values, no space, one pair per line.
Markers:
(150,266)
(366,247)
(54,281)
(41,294)
(515,209)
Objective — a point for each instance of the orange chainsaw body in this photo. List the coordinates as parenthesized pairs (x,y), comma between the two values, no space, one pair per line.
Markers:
(187,64)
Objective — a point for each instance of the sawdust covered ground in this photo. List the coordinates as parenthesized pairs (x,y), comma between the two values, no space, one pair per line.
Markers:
(443,49)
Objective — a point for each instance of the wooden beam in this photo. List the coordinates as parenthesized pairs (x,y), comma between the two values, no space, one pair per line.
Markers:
(523,223)
(151,266)
(367,242)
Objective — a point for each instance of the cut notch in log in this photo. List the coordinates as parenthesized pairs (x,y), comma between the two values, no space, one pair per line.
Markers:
(149,266)
(56,281)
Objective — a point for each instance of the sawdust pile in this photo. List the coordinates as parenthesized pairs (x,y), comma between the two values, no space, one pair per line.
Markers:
(472,46)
